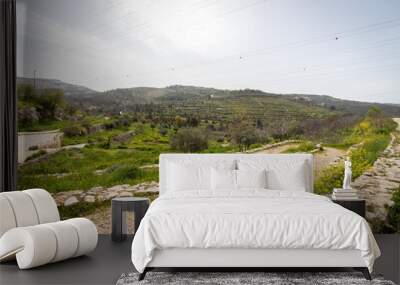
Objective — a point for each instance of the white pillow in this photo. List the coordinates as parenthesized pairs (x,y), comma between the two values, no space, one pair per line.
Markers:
(292,177)
(223,179)
(185,174)
(288,175)
(251,178)
(184,178)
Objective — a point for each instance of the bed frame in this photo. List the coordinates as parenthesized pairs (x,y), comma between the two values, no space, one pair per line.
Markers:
(260,259)
(248,259)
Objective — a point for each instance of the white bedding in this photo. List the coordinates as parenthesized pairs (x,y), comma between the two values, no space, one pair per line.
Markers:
(250,219)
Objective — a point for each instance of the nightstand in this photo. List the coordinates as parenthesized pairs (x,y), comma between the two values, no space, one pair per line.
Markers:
(355,205)
(119,207)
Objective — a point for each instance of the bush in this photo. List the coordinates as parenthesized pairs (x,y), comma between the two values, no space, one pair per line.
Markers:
(394,212)
(37,154)
(125,172)
(27,116)
(189,140)
(47,102)
(244,136)
(331,177)
(74,131)
(163,131)
(110,125)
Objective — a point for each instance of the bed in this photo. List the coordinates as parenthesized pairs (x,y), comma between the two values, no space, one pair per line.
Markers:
(245,211)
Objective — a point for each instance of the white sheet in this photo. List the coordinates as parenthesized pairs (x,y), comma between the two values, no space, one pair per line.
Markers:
(250,219)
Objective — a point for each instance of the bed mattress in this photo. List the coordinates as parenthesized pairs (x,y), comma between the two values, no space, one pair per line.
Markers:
(251,219)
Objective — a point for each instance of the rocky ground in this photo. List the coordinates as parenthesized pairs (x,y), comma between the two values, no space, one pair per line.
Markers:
(101,194)
(377,184)
(102,216)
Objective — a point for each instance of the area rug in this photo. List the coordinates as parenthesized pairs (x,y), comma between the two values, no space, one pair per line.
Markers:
(269,278)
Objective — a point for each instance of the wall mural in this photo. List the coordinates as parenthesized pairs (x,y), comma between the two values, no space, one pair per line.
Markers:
(105,86)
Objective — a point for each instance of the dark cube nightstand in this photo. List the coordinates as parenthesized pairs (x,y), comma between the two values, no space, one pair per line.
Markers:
(355,205)
(119,208)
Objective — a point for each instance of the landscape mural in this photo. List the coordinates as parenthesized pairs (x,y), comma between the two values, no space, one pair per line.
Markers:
(92,144)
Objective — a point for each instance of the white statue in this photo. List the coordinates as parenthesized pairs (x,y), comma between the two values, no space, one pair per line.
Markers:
(347,174)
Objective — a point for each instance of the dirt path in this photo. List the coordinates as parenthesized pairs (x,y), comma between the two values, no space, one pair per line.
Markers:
(326,157)
(321,159)
(397,120)
(278,149)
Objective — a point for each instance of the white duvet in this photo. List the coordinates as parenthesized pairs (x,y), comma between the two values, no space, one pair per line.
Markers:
(250,219)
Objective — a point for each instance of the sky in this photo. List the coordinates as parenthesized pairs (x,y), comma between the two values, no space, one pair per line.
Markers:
(348,49)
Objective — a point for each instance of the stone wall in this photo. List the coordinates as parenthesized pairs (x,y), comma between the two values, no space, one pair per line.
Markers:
(31,142)
(377,184)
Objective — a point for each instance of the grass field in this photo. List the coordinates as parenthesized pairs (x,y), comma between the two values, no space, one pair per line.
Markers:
(95,165)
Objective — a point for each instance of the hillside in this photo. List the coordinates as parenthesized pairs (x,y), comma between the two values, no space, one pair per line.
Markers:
(348,106)
(69,89)
(205,101)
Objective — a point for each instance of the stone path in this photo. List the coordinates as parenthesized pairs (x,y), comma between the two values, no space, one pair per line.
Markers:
(377,184)
(99,194)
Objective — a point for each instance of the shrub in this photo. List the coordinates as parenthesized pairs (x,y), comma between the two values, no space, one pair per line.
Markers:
(74,131)
(163,131)
(47,102)
(109,125)
(125,172)
(331,177)
(394,212)
(37,154)
(27,116)
(189,140)
(243,136)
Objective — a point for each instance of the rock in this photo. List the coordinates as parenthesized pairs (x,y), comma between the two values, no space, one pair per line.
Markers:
(96,189)
(89,199)
(100,198)
(100,171)
(125,194)
(71,201)
(111,195)
(75,192)
(118,188)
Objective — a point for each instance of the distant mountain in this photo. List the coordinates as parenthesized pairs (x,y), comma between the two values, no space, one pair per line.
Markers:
(192,98)
(347,106)
(69,89)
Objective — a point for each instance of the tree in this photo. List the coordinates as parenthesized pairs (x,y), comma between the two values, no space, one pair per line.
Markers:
(47,104)
(259,124)
(179,121)
(189,140)
(192,122)
(243,135)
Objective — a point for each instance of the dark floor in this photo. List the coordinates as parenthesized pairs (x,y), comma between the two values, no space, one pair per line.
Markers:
(103,266)
(110,260)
